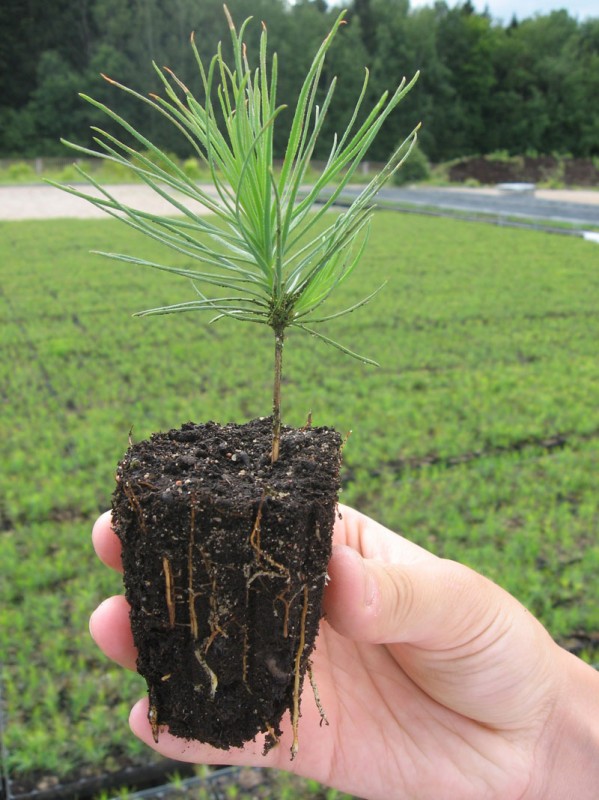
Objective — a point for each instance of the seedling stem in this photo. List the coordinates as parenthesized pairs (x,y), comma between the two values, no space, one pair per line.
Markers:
(276,397)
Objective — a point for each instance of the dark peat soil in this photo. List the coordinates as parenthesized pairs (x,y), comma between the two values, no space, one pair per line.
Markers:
(225,558)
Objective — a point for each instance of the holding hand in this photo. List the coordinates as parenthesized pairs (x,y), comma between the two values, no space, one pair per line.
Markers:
(437,683)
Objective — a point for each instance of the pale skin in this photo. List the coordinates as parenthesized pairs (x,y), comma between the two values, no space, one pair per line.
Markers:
(438,685)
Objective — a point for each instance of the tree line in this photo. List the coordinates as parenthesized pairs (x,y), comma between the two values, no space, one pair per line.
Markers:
(530,86)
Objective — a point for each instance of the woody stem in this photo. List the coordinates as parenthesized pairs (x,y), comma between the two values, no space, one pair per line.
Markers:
(276,396)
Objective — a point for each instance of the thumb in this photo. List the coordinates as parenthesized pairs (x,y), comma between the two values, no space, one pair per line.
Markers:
(468,643)
(433,603)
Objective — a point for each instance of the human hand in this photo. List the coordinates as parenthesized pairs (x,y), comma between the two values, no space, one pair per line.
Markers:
(436,682)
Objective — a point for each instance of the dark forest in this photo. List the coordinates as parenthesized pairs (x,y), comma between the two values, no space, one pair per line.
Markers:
(526,88)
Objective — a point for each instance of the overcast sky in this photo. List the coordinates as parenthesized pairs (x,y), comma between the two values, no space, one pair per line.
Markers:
(504,9)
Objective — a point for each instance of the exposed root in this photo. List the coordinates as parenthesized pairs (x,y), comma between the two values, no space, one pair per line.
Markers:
(148,485)
(218,631)
(214,615)
(344,442)
(255,534)
(261,555)
(134,503)
(308,424)
(211,675)
(281,597)
(263,573)
(295,714)
(153,717)
(272,740)
(321,711)
(170,591)
(317,531)
(191,596)
(244,664)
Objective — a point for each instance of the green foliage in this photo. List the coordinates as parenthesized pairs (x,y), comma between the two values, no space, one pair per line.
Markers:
(416,168)
(19,172)
(55,169)
(192,168)
(477,438)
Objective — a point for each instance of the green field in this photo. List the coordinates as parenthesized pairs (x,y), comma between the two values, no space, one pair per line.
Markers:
(478,436)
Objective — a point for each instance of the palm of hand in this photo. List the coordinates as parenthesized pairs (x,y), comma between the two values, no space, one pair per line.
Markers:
(435,713)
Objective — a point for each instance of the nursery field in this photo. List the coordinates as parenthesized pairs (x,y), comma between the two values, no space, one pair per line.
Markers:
(478,436)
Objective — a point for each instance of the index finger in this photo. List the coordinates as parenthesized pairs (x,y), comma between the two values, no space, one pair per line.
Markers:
(106,543)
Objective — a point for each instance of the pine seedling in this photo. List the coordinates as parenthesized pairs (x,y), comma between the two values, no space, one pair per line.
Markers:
(264,257)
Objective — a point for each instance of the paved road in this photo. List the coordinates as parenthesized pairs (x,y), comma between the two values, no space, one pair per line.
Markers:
(578,209)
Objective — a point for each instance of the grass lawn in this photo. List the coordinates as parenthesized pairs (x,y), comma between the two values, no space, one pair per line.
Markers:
(478,436)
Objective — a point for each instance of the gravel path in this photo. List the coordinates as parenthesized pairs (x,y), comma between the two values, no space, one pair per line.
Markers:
(46,202)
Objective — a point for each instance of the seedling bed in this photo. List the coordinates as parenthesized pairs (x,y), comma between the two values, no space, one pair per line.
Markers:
(137,777)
